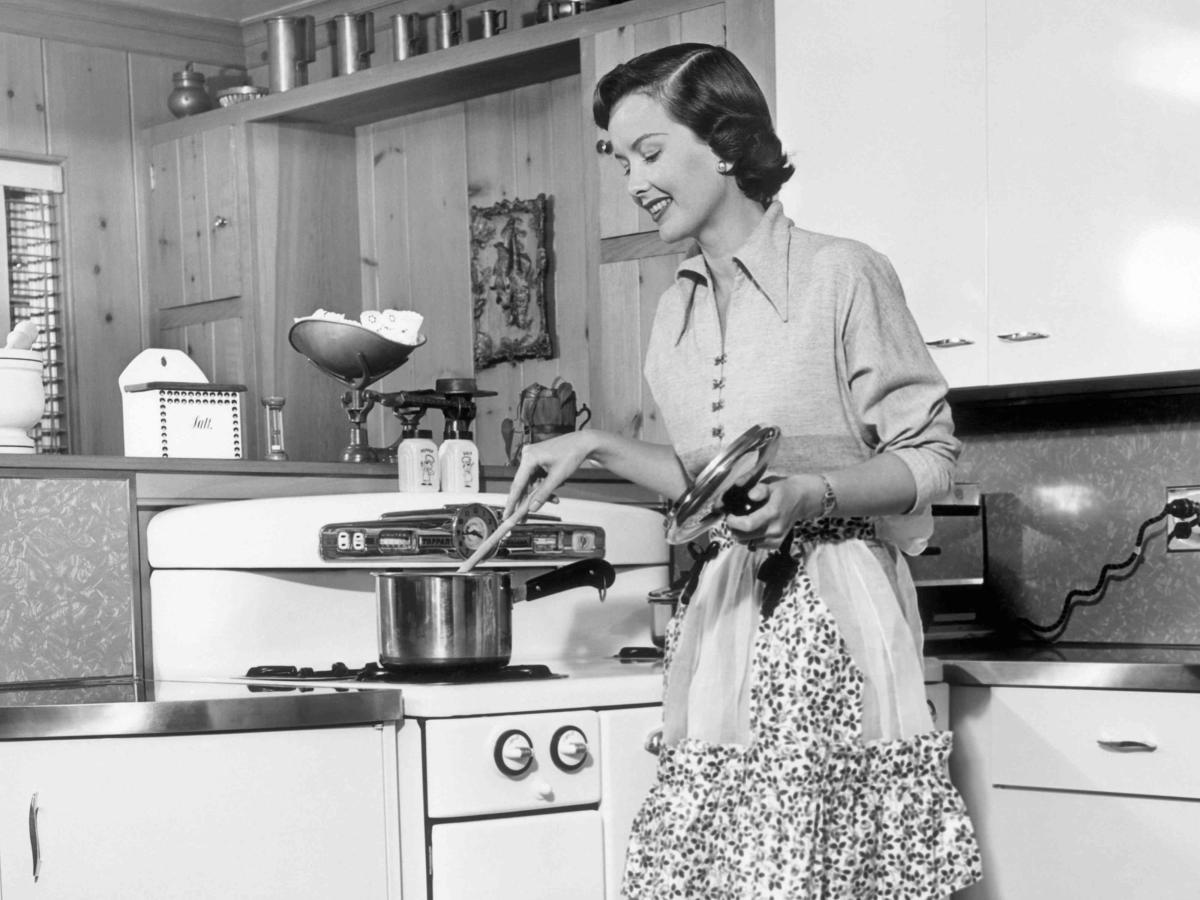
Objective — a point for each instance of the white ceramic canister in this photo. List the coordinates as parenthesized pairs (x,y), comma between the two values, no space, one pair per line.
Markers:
(458,462)
(417,463)
(22,398)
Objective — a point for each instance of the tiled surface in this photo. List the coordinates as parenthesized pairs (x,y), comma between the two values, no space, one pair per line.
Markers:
(1066,488)
(66,588)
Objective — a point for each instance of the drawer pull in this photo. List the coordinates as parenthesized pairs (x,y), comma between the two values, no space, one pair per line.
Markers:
(942,343)
(1128,746)
(35,840)
(1017,337)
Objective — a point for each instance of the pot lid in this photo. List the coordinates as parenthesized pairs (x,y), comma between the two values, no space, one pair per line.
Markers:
(739,465)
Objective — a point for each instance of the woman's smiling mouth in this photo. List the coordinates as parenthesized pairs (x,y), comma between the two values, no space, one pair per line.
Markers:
(656,207)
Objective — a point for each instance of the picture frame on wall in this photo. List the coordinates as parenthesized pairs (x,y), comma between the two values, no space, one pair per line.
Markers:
(508,282)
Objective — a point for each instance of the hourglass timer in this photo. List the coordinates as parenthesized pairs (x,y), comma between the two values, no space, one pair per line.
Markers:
(274,407)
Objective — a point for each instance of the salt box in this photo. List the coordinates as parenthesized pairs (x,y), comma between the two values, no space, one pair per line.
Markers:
(171,410)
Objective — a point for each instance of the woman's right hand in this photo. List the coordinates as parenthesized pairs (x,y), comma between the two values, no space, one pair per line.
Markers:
(545,465)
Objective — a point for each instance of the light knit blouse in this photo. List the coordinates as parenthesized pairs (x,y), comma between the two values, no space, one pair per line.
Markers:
(818,342)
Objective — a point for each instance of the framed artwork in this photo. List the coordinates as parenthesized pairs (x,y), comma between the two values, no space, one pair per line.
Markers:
(508,282)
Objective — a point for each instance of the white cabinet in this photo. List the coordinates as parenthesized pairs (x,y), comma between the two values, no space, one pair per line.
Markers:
(882,108)
(1027,166)
(1093,188)
(249,815)
(1080,793)
(627,770)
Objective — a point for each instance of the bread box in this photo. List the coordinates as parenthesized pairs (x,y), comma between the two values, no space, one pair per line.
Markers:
(171,410)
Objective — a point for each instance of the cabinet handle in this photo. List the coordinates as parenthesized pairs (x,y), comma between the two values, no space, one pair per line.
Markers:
(1127,746)
(654,742)
(35,843)
(220,222)
(941,343)
(1017,337)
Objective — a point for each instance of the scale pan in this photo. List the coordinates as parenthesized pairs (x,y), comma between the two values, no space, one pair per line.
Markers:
(347,351)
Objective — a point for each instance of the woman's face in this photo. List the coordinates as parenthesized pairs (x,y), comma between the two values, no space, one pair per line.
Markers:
(669,171)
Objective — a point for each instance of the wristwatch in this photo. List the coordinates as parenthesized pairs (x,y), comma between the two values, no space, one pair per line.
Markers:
(828,499)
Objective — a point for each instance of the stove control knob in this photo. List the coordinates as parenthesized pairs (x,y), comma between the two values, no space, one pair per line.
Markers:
(545,791)
(569,748)
(513,753)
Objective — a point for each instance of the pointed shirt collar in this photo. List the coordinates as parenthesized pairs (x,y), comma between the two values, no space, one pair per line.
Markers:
(763,259)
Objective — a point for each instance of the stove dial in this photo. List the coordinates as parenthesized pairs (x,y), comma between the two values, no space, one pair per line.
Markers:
(569,748)
(513,752)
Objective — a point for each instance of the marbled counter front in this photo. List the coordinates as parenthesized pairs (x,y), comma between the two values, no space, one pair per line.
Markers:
(1130,667)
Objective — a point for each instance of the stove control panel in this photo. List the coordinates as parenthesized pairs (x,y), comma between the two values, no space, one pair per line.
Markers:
(505,764)
(455,531)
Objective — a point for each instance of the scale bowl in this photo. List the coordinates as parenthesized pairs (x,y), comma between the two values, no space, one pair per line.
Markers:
(347,351)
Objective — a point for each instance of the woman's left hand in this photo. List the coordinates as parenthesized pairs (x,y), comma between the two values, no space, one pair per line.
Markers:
(787,500)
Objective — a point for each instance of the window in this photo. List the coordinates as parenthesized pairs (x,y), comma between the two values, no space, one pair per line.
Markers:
(31,281)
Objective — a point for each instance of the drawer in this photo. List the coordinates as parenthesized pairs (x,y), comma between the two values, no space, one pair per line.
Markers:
(1120,742)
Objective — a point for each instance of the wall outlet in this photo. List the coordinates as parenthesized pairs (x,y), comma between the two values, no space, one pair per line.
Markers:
(1192,541)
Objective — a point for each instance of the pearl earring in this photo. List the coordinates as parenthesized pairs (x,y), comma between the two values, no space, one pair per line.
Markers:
(724,167)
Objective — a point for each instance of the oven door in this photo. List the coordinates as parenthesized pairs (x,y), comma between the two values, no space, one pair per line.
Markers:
(547,856)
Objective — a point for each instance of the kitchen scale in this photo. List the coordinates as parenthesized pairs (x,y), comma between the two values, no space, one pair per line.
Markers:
(454,532)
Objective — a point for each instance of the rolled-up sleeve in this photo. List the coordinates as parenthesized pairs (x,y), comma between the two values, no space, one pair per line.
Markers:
(898,392)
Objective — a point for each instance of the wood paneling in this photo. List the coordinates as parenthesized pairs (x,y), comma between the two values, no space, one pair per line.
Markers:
(22,96)
(117,27)
(89,117)
(305,247)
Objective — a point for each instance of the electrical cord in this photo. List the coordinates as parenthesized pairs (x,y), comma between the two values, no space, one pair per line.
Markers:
(1187,515)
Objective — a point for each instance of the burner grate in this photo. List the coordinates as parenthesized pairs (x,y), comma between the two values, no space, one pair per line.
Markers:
(374,672)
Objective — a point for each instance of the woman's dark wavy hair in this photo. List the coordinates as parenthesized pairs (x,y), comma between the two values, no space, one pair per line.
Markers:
(711,91)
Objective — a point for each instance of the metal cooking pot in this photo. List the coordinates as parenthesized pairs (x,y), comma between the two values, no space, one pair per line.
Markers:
(450,620)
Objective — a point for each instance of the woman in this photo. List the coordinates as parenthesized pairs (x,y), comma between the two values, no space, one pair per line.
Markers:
(799,758)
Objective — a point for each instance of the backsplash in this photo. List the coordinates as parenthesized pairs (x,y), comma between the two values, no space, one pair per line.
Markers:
(1066,487)
(66,583)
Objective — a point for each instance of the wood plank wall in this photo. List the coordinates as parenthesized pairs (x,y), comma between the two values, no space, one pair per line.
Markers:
(418,177)
(68,93)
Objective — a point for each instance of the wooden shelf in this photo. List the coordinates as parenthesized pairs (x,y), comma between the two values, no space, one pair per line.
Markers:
(528,55)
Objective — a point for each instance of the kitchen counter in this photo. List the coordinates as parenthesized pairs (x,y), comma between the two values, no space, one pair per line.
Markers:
(1131,667)
(115,708)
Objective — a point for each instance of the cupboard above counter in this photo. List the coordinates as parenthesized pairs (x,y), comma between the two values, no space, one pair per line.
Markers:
(1026,166)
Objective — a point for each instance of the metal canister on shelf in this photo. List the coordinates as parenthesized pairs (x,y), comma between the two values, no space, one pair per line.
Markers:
(493,21)
(291,46)
(354,42)
(449,28)
(406,35)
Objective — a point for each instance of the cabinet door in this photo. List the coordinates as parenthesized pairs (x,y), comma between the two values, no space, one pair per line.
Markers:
(1094,191)
(248,815)
(882,108)
(196,251)
(627,770)
(1050,845)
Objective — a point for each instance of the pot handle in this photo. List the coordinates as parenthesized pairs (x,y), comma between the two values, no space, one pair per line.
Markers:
(597,573)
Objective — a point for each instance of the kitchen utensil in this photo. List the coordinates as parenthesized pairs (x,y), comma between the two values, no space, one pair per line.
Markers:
(490,543)
(663,604)
(721,487)
(449,27)
(406,31)
(291,46)
(353,42)
(451,620)
(493,21)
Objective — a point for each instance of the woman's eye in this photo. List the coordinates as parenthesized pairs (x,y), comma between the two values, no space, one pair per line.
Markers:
(651,157)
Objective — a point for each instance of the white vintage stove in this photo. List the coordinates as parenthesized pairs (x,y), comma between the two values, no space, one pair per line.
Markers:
(519,784)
